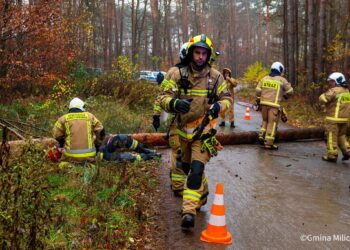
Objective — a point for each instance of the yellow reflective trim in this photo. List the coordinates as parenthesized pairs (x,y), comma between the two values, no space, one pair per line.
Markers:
(195,92)
(157,108)
(76,116)
(58,125)
(343,98)
(330,139)
(258,89)
(178,177)
(90,154)
(222,87)
(88,125)
(226,103)
(337,120)
(269,137)
(67,142)
(184,134)
(277,92)
(135,144)
(138,157)
(169,84)
(167,102)
(323,98)
(273,129)
(270,84)
(191,195)
(205,180)
(272,104)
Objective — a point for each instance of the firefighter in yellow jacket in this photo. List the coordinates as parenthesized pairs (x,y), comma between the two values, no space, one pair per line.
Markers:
(178,172)
(337,102)
(269,93)
(231,84)
(77,132)
(197,93)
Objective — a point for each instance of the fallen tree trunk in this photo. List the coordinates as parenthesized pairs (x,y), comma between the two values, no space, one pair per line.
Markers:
(157,139)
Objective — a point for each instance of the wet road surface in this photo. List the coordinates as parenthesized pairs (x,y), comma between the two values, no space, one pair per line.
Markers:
(285,199)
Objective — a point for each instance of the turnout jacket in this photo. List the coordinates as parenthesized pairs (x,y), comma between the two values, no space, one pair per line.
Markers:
(199,87)
(79,130)
(337,101)
(271,89)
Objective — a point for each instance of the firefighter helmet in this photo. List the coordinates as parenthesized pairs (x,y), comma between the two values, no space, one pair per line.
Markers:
(201,41)
(77,103)
(182,52)
(278,66)
(339,78)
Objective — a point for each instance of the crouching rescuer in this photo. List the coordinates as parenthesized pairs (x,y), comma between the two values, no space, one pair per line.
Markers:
(337,102)
(77,133)
(197,102)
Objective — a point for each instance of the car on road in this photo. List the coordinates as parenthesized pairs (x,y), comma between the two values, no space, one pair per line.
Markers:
(149,75)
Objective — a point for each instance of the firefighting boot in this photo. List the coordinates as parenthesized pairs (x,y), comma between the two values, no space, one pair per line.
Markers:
(328,158)
(222,124)
(187,221)
(346,156)
(271,147)
(233,125)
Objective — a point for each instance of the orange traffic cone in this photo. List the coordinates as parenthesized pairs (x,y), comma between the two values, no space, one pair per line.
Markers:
(247,114)
(216,230)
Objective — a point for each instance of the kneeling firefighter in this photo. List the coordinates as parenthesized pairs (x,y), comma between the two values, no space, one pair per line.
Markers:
(198,102)
(123,147)
(78,132)
(337,102)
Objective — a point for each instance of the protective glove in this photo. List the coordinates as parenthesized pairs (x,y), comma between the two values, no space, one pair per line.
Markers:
(180,105)
(214,110)
(156,122)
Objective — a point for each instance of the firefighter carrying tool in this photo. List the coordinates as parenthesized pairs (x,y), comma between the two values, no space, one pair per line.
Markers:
(205,92)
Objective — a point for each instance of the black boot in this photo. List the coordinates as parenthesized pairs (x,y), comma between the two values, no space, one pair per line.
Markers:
(330,159)
(187,221)
(271,147)
(222,124)
(233,125)
(346,156)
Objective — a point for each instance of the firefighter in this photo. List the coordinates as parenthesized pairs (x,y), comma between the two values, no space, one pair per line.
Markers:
(231,84)
(197,93)
(78,132)
(177,173)
(269,93)
(117,148)
(337,102)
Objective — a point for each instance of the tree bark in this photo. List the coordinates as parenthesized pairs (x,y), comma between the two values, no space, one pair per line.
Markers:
(155,32)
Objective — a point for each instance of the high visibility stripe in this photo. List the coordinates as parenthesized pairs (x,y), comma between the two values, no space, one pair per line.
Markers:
(323,98)
(269,137)
(218,221)
(219,199)
(185,135)
(169,84)
(227,103)
(138,157)
(222,87)
(134,144)
(178,177)
(262,129)
(330,139)
(89,134)
(191,195)
(82,155)
(67,143)
(205,180)
(167,102)
(272,104)
(337,120)
(157,108)
(258,89)
(273,129)
(76,116)
(58,125)
(278,92)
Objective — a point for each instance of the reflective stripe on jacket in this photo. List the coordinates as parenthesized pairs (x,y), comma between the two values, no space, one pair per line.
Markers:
(202,82)
(337,101)
(271,89)
(79,131)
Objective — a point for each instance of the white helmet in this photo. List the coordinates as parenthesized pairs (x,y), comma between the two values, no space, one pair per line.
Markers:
(278,66)
(339,78)
(182,52)
(77,103)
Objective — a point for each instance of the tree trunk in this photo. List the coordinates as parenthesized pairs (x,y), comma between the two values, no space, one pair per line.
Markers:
(185,21)
(155,32)
(311,40)
(322,39)
(291,42)
(121,35)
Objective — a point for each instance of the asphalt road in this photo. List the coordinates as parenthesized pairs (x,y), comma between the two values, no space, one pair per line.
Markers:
(285,199)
